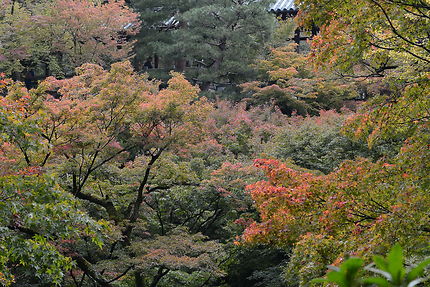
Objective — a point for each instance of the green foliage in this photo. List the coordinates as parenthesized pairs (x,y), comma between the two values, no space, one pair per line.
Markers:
(256,266)
(390,40)
(317,143)
(395,116)
(345,276)
(38,220)
(179,251)
(220,39)
(283,31)
(243,130)
(100,140)
(391,272)
(359,207)
(307,263)
(328,217)
(108,178)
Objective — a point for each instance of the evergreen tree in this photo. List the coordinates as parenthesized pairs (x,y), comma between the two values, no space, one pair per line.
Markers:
(219,39)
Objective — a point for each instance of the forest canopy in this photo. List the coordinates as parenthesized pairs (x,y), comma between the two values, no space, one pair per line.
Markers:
(214,143)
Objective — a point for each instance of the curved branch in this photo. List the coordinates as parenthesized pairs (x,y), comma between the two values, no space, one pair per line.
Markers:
(394,29)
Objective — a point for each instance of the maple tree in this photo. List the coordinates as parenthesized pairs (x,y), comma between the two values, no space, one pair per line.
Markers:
(287,79)
(210,198)
(318,143)
(89,128)
(38,219)
(364,206)
(178,252)
(53,38)
(360,208)
(378,35)
(110,178)
(244,129)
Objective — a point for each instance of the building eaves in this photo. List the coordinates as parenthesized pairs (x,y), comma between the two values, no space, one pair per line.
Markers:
(283,6)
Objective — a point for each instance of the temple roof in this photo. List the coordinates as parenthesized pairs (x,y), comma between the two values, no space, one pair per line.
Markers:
(283,6)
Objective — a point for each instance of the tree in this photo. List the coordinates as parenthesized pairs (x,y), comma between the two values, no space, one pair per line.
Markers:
(40,225)
(243,130)
(92,127)
(40,222)
(287,79)
(53,38)
(159,30)
(318,143)
(190,259)
(364,206)
(392,36)
(219,38)
(358,209)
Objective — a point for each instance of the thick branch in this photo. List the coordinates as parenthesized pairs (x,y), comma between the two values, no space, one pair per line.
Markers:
(166,187)
(86,266)
(121,275)
(105,203)
(160,274)
(139,199)
(134,215)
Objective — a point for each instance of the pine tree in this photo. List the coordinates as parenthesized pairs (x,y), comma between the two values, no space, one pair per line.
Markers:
(218,39)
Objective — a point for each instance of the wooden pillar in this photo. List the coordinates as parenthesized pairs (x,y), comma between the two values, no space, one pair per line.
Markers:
(156,61)
(315,30)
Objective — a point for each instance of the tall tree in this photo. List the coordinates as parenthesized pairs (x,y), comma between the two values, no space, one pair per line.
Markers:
(218,38)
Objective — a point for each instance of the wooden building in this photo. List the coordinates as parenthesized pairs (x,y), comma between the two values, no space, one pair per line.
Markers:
(284,9)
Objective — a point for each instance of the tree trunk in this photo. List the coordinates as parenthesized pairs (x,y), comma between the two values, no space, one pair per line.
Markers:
(180,64)
(160,274)
(156,61)
(138,279)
